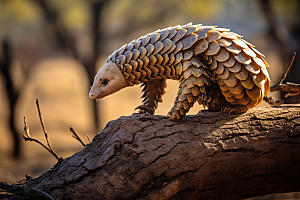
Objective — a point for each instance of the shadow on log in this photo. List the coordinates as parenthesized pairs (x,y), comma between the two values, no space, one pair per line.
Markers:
(206,156)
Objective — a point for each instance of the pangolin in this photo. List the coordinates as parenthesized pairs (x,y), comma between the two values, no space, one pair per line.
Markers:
(214,66)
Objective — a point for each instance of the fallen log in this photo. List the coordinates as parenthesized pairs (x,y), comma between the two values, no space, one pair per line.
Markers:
(211,155)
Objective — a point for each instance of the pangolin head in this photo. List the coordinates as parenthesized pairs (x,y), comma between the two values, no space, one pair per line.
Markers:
(108,80)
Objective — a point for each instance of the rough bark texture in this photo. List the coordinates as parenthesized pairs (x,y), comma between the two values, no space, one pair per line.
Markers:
(205,156)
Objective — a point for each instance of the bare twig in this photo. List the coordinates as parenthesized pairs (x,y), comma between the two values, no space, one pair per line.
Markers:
(21,191)
(27,137)
(292,89)
(76,136)
(287,69)
(273,101)
(88,137)
(42,123)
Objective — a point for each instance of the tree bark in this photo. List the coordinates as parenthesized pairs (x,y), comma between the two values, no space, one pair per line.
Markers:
(211,155)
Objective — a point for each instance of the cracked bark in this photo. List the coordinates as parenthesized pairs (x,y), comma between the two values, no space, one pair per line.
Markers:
(206,156)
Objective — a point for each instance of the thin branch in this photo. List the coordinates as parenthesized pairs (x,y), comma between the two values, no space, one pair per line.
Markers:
(27,137)
(21,191)
(88,137)
(76,136)
(292,89)
(287,69)
(42,123)
(273,101)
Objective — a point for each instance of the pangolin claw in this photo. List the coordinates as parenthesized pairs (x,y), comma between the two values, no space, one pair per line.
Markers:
(144,109)
(234,109)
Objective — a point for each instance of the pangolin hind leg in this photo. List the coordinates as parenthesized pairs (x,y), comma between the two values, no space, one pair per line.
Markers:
(212,98)
(152,94)
(234,103)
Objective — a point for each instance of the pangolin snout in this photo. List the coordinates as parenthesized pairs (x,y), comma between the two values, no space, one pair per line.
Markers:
(92,94)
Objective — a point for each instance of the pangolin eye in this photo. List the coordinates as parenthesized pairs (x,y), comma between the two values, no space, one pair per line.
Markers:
(105,81)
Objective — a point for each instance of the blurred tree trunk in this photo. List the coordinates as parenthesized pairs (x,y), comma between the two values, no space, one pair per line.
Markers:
(12,93)
(66,41)
(285,45)
(97,7)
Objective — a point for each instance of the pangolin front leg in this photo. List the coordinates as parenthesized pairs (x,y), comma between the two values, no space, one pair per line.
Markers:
(152,94)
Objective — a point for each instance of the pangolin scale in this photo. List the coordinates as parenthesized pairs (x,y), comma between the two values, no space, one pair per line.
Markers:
(214,66)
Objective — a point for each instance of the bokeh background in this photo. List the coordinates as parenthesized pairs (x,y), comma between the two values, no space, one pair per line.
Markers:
(51,49)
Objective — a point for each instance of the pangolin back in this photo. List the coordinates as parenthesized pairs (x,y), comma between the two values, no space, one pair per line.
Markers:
(213,65)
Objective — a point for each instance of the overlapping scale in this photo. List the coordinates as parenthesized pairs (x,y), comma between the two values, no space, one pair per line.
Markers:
(240,43)
(254,93)
(242,74)
(219,69)
(172,33)
(154,37)
(121,50)
(128,55)
(178,48)
(243,58)
(187,54)
(189,41)
(172,48)
(213,35)
(230,62)
(237,89)
(231,81)
(224,42)
(253,68)
(213,48)
(233,48)
(150,49)
(249,52)
(200,46)
(181,32)
(222,55)
(190,29)
(202,31)
(167,45)
(163,34)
